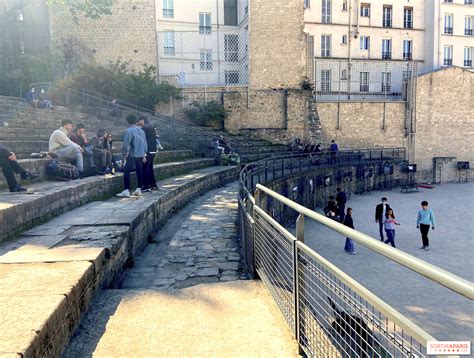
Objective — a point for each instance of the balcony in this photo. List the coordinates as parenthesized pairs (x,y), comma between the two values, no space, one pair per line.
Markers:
(387,23)
(408,24)
(386,55)
(467,63)
(448,30)
(448,62)
(169,51)
(205,30)
(407,56)
(468,32)
(168,13)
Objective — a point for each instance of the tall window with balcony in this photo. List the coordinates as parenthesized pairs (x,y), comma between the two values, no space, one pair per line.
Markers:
(364,42)
(387,16)
(326,11)
(168,43)
(448,55)
(325,45)
(326,81)
(408,17)
(206,60)
(231,47)
(407,49)
(230,13)
(205,26)
(468,56)
(364,82)
(168,8)
(448,24)
(468,2)
(468,22)
(386,81)
(386,49)
(365,10)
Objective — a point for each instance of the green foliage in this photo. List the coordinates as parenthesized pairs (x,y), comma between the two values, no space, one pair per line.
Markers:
(210,114)
(117,80)
(92,9)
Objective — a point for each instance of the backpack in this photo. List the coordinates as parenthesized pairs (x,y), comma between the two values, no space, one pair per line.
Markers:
(62,171)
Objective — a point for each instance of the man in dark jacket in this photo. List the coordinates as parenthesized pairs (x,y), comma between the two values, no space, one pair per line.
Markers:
(10,166)
(149,181)
(341,200)
(380,211)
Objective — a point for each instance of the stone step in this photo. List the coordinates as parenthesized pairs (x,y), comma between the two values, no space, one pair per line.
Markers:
(19,211)
(51,272)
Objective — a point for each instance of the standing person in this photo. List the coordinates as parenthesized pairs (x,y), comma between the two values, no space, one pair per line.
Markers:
(134,150)
(10,166)
(333,149)
(425,218)
(389,224)
(341,200)
(63,147)
(349,246)
(149,181)
(380,212)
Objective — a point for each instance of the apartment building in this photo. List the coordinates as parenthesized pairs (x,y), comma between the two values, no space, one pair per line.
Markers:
(202,42)
(449,33)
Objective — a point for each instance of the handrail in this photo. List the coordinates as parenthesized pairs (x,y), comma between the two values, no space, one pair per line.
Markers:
(434,273)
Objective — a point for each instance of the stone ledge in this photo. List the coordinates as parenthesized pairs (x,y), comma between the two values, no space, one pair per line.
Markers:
(77,253)
(21,211)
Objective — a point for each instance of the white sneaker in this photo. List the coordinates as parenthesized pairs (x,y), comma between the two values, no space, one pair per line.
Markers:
(124,194)
(137,192)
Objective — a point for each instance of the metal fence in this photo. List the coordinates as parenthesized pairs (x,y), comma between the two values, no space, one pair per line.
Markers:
(363,80)
(330,314)
(204,58)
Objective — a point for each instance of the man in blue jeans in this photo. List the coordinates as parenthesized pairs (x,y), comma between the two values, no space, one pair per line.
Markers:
(134,149)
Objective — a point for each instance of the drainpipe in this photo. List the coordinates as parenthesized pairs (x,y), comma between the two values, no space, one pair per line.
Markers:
(439,33)
(349,75)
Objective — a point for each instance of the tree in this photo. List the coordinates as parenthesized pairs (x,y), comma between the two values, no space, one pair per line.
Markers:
(92,9)
(70,54)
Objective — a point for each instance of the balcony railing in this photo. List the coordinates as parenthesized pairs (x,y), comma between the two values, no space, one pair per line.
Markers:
(168,13)
(408,24)
(386,55)
(407,56)
(448,61)
(205,29)
(468,32)
(387,23)
(467,63)
(170,51)
(448,30)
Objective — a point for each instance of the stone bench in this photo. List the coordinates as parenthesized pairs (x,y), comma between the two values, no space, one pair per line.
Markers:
(20,211)
(50,274)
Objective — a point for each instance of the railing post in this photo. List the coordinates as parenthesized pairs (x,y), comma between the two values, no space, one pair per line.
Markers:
(300,228)
(258,197)
(297,279)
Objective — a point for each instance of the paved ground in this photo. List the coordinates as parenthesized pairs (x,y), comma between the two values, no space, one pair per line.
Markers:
(444,314)
(184,297)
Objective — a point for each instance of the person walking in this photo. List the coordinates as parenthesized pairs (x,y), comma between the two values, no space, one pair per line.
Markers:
(424,220)
(341,200)
(134,150)
(349,246)
(389,224)
(149,181)
(380,212)
(10,166)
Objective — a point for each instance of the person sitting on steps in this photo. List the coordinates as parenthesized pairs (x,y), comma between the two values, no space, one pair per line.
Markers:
(102,155)
(79,137)
(10,166)
(63,147)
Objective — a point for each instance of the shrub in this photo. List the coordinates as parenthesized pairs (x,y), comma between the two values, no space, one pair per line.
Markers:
(210,114)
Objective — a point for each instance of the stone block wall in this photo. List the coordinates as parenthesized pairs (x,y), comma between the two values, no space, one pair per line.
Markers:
(128,34)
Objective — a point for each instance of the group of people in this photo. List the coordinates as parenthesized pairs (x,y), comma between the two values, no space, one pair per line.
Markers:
(385,218)
(38,100)
(315,150)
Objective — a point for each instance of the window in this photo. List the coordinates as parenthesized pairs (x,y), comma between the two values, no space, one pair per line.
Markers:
(326,11)
(386,79)
(205,23)
(365,10)
(386,49)
(448,1)
(468,22)
(364,82)
(468,56)
(406,75)
(344,5)
(448,55)
(407,49)
(19,16)
(448,24)
(230,12)
(364,42)
(168,43)
(231,48)
(387,16)
(325,45)
(326,81)
(231,77)
(168,8)
(408,18)
(206,60)
(307,4)
(343,75)
(344,39)
(468,2)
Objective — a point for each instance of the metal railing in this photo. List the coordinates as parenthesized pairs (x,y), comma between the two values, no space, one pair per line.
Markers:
(330,314)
